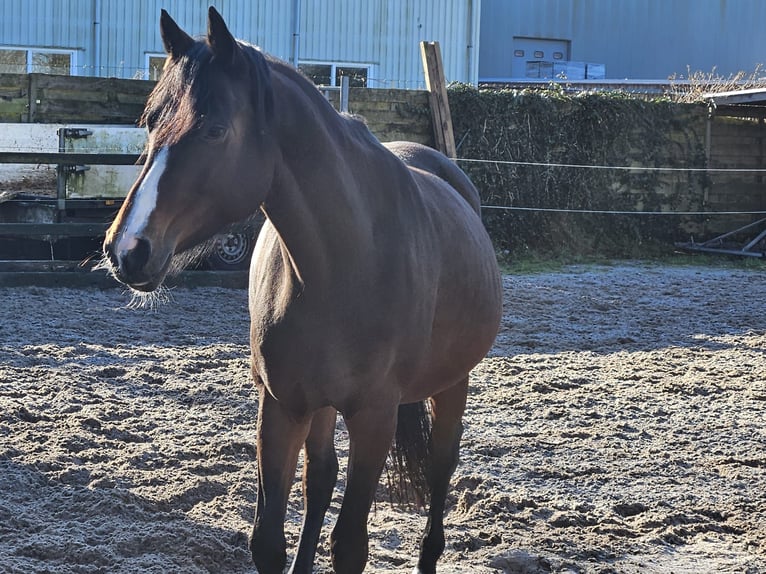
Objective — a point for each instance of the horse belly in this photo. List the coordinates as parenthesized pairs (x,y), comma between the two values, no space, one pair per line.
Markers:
(467,312)
(309,362)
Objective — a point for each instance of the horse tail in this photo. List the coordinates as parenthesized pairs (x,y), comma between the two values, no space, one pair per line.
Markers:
(410,456)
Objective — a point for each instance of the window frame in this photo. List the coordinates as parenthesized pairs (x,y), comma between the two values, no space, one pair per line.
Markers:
(334,65)
(148,56)
(30,50)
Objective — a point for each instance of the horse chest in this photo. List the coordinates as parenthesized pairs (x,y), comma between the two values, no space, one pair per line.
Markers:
(313,358)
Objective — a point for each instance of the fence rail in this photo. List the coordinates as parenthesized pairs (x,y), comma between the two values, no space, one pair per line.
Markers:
(53,229)
(59,228)
(67,158)
(43,98)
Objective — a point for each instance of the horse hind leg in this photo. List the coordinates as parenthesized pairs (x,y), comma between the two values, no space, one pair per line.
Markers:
(447,410)
(280,437)
(320,472)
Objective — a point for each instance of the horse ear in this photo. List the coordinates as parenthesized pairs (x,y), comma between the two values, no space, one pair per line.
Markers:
(221,41)
(176,41)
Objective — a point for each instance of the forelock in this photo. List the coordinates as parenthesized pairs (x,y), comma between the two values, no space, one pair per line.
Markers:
(181,97)
(191,88)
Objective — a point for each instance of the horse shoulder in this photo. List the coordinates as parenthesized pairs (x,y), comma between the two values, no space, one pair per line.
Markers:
(273,283)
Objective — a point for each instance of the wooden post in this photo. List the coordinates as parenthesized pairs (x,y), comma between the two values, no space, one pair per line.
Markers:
(345,82)
(437,97)
(31,98)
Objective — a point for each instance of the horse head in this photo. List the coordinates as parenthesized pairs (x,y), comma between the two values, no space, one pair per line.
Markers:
(210,154)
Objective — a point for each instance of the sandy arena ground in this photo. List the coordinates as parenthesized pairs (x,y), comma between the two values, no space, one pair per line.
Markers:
(617,426)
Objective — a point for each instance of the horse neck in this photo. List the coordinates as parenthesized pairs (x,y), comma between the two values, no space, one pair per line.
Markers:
(314,203)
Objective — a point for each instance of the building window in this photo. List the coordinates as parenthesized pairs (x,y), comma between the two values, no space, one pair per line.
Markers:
(154,65)
(37,61)
(320,74)
(323,74)
(13,62)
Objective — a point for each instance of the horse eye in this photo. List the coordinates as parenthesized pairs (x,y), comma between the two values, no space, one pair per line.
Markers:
(150,123)
(215,132)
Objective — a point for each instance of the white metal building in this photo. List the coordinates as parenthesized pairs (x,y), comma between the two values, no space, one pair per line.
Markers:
(627,39)
(374,41)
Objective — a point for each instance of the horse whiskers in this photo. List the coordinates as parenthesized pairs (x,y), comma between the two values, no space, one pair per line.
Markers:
(104,265)
(188,259)
(90,258)
(151,300)
(138,299)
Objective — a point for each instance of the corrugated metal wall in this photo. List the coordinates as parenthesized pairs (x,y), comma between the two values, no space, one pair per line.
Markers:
(381,33)
(124,47)
(342,31)
(52,24)
(128,30)
(636,39)
(386,35)
(56,23)
(408,22)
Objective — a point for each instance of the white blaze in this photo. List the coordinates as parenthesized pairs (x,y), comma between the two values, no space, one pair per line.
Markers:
(144,202)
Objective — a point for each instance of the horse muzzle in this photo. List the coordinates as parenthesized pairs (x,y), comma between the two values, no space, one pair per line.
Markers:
(136,263)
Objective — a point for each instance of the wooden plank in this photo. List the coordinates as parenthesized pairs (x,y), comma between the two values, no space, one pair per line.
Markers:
(13,97)
(70,112)
(437,96)
(737,133)
(732,160)
(59,99)
(91,84)
(33,101)
(54,229)
(65,158)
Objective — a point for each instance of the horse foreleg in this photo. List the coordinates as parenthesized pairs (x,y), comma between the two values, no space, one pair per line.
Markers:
(280,437)
(370,431)
(447,411)
(320,472)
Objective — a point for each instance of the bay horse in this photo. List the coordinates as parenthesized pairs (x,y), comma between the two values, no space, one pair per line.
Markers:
(373,289)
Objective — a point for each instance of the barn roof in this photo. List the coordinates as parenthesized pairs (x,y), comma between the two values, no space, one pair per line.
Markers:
(739,103)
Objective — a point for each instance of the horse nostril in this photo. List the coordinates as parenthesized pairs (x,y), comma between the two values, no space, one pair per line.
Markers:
(134,260)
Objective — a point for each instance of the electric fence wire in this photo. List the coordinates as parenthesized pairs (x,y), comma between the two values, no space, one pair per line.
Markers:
(617,168)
